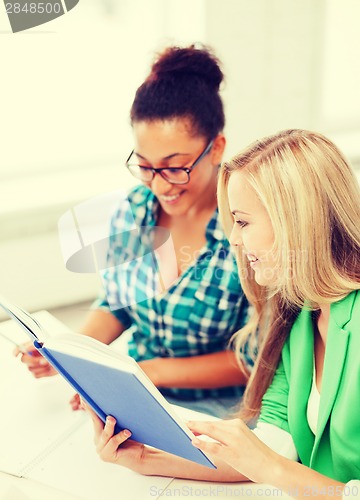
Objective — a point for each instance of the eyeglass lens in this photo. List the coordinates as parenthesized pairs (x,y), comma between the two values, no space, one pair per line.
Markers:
(174,175)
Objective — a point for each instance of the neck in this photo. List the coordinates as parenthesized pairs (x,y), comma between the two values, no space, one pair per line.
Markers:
(208,201)
(322,320)
(325,311)
(202,207)
(205,205)
(199,214)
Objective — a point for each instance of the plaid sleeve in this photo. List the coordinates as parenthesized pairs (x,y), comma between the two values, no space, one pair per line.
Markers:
(250,349)
(120,314)
(122,223)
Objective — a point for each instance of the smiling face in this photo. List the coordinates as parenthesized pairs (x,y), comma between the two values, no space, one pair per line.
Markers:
(169,143)
(252,229)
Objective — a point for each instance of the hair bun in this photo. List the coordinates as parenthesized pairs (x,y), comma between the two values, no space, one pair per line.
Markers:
(188,62)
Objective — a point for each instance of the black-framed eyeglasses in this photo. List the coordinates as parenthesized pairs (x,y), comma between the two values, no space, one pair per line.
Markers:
(178,175)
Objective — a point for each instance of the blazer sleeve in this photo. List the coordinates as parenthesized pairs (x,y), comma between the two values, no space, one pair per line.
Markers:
(274,408)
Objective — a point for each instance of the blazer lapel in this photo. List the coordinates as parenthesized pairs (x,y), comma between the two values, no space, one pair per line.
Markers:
(301,364)
(335,355)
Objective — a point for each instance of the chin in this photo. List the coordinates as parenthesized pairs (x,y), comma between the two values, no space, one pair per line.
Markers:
(262,280)
(174,209)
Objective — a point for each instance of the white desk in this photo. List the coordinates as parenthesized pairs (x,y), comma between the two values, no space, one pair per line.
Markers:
(39,418)
(15,488)
(12,488)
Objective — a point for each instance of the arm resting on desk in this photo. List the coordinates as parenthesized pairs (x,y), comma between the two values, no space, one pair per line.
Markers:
(103,326)
(219,369)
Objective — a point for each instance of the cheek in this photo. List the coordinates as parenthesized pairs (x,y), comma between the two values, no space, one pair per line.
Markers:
(250,237)
(257,241)
(193,189)
(270,240)
(200,179)
(265,236)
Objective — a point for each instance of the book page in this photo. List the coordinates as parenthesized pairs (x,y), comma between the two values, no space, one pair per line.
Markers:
(15,333)
(29,323)
(85,347)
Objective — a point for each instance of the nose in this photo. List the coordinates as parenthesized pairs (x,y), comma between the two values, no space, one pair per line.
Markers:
(159,184)
(235,238)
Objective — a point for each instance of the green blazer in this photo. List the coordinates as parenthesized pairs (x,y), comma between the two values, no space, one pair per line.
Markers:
(335,450)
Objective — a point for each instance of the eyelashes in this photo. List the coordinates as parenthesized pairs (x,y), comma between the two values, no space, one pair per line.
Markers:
(241,223)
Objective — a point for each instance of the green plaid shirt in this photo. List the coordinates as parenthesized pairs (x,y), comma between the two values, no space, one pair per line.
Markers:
(196,314)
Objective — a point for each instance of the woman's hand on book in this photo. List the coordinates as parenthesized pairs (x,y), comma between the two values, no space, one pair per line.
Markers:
(115,448)
(234,443)
(36,363)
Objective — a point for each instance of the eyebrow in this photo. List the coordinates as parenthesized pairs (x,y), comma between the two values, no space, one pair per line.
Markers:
(166,157)
(234,212)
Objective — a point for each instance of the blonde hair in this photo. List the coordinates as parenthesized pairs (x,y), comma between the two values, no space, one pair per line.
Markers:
(313,200)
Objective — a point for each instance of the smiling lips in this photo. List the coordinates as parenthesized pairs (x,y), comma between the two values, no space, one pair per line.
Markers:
(252,259)
(172,198)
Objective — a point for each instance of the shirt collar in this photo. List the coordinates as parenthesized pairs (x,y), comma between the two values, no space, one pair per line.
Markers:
(214,229)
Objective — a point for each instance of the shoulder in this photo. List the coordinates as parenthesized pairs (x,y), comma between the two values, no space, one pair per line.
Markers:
(346,312)
(353,325)
(356,307)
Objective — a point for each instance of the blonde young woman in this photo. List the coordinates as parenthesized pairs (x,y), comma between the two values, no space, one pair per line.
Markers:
(291,207)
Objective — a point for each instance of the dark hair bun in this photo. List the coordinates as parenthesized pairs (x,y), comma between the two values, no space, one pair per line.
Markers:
(176,62)
(183,82)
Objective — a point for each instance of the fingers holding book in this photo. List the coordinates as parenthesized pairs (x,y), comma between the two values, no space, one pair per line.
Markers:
(109,442)
(115,448)
(36,363)
(75,403)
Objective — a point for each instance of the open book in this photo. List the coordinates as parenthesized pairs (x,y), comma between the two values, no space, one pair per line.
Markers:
(112,384)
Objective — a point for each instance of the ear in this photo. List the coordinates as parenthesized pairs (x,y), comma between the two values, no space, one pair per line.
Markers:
(217,149)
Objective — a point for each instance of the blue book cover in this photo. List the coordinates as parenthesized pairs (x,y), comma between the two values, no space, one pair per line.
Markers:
(113,384)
